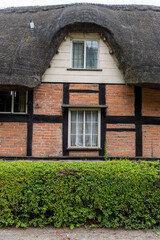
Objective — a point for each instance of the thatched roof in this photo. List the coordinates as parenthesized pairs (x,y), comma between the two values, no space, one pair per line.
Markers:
(133,32)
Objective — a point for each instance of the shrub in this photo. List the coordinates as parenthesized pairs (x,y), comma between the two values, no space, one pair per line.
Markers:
(112,194)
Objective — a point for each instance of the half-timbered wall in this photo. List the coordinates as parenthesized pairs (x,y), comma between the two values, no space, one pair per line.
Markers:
(129,116)
(130,125)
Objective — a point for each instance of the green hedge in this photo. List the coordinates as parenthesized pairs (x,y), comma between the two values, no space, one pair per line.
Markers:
(111,194)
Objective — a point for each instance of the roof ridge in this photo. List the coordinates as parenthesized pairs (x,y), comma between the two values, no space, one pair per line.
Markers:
(124,7)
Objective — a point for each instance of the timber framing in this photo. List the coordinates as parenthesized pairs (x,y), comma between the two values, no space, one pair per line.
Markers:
(137,119)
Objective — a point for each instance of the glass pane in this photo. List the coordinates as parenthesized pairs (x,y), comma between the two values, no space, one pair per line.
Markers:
(94,116)
(73,140)
(78,55)
(94,140)
(80,128)
(94,128)
(88,116)
(88,140)
(91,54)
(73,116)
(19,101)
(79,142)
(73,128)
(88,127)
(80,116)
(5,101)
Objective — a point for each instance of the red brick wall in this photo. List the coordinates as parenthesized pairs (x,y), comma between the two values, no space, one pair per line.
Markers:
(120,100)
(151,141)
(151,102)
(48,99)
(84,153)
(85,86)
(84,98)
(13,139)
(47,139)
(118,125)
(120,144)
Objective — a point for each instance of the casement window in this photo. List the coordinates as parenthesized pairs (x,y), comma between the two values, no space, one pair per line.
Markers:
(84,128)
(85,54)
(13,101)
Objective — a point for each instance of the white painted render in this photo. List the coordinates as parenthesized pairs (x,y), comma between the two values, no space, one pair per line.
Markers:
(61,62)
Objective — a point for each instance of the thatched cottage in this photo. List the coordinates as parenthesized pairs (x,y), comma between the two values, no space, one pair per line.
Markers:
(80,80)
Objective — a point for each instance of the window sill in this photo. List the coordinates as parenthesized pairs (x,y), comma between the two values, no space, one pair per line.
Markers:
(85,69)
(15,113)
(83,149)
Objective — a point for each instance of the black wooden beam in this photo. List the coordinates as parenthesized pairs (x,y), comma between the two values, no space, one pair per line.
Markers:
(83,91)
(138,121)
(151,120)
(20,118)
(47,118)
(30,124)
(120,119)
(65,119)
(120,129)
(102,101)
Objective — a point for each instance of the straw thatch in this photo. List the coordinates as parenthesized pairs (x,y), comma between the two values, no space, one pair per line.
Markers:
(133,33)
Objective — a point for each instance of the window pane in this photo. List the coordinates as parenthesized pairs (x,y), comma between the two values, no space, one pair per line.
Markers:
(94,128)
(19,101)
(73,140)
(95,116)
(73,116)
(79,142)
(91,54)
(78,55)
(94,140)
(88,116)
(80,128)
(73,128)
(80,116)
(5,101)
(88,127)
(88,139)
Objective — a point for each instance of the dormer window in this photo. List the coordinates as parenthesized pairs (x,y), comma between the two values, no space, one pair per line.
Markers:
(84,54)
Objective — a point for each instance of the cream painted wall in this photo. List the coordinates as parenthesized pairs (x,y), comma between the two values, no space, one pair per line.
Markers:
(62,61)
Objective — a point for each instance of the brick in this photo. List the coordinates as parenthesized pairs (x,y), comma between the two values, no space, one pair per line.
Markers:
(85,86)
(84,153)
(130,126)
(151,102)
(151,141)
(13,139)
(48,99)
(120,100)
(84,98)
(47,139)
(120,144)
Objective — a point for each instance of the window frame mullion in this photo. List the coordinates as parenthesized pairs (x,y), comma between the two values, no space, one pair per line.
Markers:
(91,127)
(76,127)
(12,102)
(84,130)
(85,54)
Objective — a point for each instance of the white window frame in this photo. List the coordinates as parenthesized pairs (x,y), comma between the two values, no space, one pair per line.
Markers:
(83,40)
(69,127)
(12,104)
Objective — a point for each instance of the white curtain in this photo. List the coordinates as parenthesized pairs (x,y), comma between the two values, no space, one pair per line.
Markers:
(78,55)
(84,128)
(91,54)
